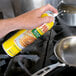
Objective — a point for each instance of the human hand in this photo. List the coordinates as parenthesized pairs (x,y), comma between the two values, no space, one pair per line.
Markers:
(29,20)
(32,19)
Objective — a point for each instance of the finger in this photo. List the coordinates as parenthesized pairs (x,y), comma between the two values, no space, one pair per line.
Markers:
(46,19)
(48,7)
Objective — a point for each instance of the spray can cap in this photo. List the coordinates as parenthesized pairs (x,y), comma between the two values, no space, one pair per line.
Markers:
(55,14)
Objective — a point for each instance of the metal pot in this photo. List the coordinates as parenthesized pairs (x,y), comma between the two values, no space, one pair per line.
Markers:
(68,15)
(65,51)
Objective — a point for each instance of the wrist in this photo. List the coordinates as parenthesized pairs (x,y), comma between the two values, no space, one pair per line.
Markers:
(18,23)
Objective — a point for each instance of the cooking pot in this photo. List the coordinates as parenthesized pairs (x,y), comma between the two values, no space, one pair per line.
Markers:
(65,51)
(68,15)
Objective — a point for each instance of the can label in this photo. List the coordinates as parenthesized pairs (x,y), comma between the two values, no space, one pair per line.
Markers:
(36,33)
(17,40)
(25,37)
(10,46)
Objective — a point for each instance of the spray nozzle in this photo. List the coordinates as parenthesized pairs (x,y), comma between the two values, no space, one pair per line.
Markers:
(55,14)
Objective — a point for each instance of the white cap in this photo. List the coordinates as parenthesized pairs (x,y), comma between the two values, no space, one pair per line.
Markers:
(55,14)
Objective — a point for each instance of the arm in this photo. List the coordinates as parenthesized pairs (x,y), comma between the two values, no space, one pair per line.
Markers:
(29,20)
(7,25)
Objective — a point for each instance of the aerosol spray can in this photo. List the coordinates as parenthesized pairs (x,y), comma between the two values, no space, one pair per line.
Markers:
(23,38)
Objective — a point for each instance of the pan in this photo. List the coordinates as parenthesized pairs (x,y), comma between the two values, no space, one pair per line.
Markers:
(65,51)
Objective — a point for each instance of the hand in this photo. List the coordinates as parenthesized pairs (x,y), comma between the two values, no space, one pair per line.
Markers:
(29,20)
(32,19)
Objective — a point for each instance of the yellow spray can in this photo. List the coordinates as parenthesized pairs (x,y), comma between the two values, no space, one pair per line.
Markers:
(25,37)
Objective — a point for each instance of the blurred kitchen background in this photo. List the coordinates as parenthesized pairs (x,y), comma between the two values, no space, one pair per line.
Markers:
(40,53)
(12,8)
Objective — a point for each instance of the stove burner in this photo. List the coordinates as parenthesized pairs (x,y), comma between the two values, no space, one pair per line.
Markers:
(63,71)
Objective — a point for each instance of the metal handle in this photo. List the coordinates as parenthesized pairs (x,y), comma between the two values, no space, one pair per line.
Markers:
(47,69)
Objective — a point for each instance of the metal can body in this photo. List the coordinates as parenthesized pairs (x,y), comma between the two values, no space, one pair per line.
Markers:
(25,37)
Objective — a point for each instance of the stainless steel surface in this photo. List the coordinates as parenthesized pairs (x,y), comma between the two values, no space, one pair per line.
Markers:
(68,17)
(65,50)
(70,1)
(33,4)
(54,3)
(22,6)
(6,8)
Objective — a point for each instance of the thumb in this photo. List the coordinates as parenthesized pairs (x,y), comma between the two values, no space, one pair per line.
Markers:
(48,7)
(46,19)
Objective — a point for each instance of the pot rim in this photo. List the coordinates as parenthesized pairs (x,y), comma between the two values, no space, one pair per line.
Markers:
(67,8)
(57,45)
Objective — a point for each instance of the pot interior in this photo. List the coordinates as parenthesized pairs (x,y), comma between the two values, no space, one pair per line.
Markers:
(67,8)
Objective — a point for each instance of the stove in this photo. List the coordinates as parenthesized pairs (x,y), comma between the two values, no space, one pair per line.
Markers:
(37,55)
